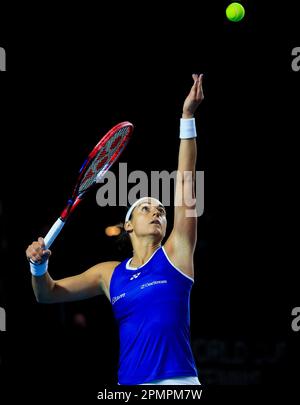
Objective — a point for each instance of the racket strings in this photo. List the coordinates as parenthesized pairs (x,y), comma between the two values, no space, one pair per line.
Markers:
(104,158)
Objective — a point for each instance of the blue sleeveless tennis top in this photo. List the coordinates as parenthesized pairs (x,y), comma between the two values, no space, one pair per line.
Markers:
(151,307)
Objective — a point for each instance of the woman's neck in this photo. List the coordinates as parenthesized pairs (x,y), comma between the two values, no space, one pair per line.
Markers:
(142,252)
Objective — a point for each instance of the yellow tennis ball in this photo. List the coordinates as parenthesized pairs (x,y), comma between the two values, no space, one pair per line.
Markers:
(235,12)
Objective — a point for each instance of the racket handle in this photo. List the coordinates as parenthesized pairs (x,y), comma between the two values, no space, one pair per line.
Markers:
(53,233)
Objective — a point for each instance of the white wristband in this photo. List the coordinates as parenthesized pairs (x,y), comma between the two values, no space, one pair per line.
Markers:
(38,269)
(187,128)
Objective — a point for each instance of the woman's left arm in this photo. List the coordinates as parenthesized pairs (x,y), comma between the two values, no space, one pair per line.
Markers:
(180,245)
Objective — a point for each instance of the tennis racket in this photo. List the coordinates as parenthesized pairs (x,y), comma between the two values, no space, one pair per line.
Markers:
(98,162)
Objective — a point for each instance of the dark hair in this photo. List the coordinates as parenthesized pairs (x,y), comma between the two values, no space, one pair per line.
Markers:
(123,240)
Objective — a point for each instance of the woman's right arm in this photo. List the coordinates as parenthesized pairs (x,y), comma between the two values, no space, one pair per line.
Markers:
(85,285)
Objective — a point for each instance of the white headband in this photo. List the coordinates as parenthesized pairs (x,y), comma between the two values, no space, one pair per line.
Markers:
(138,202)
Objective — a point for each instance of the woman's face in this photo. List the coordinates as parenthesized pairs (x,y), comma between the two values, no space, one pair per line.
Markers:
(149,218)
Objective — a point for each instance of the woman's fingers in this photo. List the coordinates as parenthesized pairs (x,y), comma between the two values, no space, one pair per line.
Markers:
(199,94)
(36,252)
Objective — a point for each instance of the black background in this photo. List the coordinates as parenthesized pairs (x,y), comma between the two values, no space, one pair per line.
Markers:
(73,73)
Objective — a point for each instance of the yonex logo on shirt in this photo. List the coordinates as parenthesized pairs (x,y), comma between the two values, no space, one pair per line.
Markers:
(135,276)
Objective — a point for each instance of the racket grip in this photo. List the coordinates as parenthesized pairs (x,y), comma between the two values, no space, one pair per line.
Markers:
(53,233)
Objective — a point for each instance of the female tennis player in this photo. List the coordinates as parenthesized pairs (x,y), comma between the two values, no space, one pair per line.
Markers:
(149,292)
